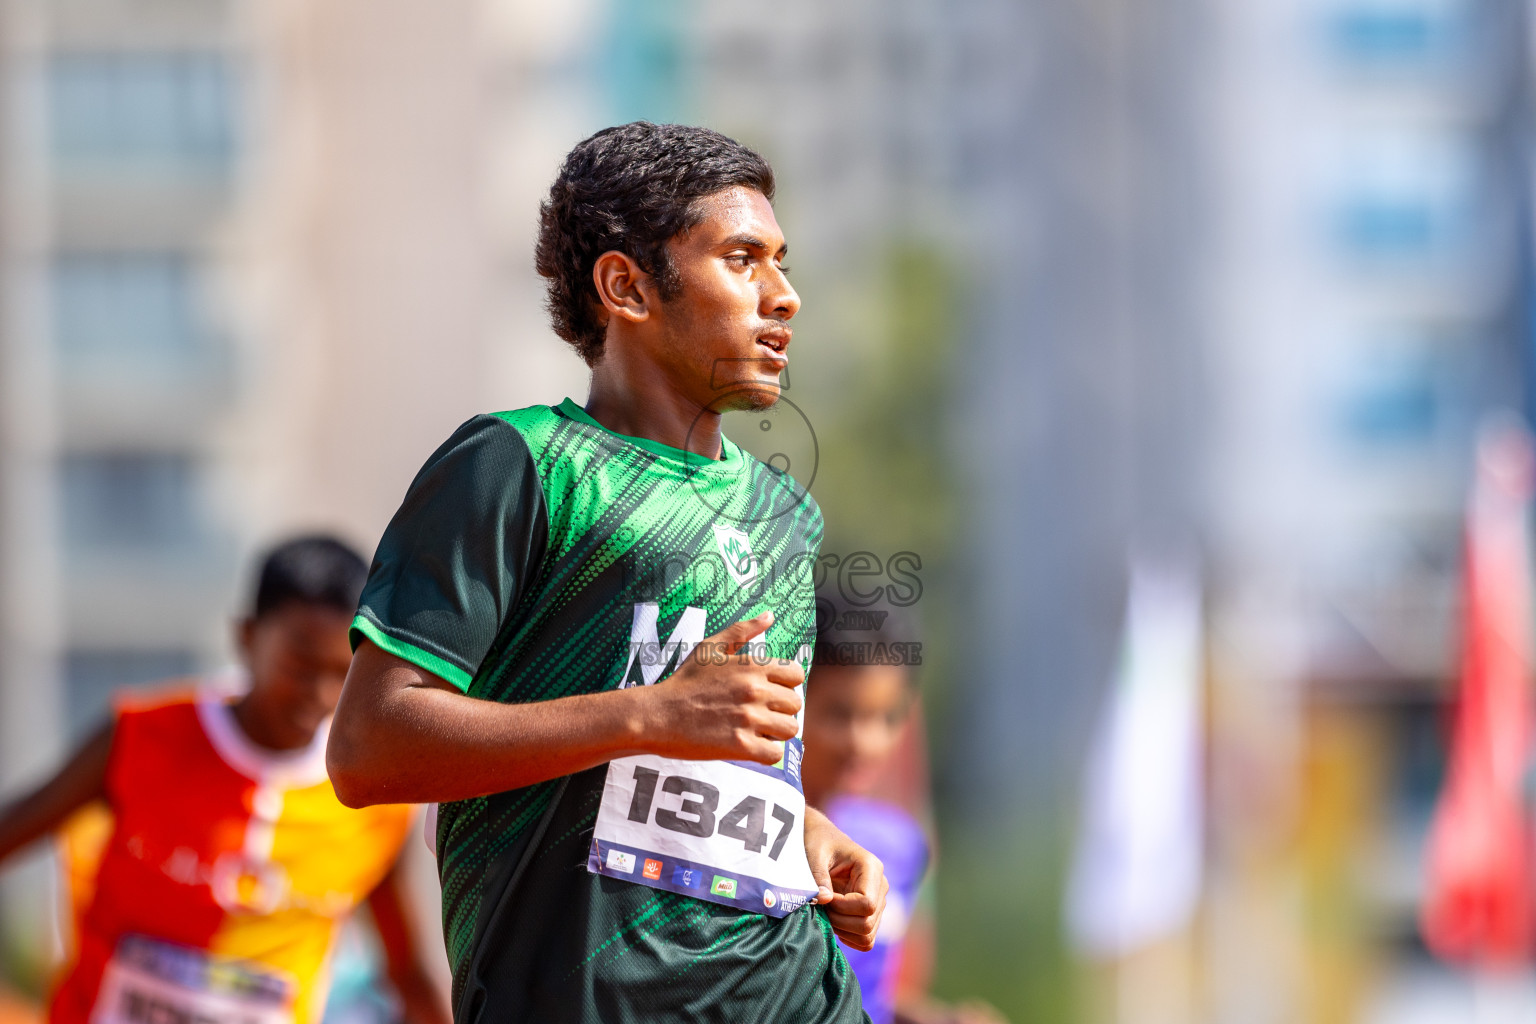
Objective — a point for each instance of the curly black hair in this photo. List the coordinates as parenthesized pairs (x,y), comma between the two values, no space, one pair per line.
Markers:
(631,188)
(315,570)
(875,632)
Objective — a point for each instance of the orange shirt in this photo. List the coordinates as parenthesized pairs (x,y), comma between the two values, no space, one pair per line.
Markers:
(225,876)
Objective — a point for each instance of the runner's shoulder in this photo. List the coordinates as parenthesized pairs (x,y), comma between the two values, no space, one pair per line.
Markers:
(167,699)
(796,495)
(518,428)
(155,725)
(528,419)
(490,446)
(539,433)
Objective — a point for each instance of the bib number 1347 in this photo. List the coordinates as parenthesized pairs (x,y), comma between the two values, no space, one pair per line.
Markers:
(699,812)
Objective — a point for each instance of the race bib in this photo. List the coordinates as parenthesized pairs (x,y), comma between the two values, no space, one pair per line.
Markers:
(149,982)
(730,832)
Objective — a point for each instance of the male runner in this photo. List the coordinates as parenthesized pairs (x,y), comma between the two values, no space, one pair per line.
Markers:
(230,863)
(622,835)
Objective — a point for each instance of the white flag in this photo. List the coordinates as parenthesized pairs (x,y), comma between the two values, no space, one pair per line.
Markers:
(1136,876)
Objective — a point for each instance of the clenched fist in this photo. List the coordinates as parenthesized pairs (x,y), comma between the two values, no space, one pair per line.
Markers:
(724,702)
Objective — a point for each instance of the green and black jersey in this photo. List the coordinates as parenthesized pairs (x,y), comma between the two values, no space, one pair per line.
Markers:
(516,570)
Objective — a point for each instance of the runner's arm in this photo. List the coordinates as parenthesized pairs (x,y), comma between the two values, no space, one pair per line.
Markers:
(403,735)
(82,779)
(421,1001)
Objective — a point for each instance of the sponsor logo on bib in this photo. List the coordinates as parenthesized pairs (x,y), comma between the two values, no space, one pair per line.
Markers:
(724,886)
(652,869)
(688,878)
(618,860)
(769,899)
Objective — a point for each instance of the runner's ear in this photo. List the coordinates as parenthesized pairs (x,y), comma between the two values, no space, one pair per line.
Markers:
(622,286)
(245,635)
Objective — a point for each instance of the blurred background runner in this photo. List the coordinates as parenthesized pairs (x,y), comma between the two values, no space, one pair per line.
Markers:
(208,862)
(866,765)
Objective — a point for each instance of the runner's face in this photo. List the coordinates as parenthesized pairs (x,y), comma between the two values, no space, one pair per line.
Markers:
(727,334)
(298,656)
(853,719)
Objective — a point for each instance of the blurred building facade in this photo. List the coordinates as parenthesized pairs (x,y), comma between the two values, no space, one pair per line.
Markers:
(124,143)
(1369,296)
(248,261)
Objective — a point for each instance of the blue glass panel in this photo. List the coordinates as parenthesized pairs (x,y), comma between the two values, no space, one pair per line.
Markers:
(127,499)
(1400,33)
(166,110)
(644,62)
(1407,394)
(142,303)
(1379,226)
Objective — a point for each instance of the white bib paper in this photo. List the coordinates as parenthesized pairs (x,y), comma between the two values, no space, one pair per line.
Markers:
(731,832)
(149,982)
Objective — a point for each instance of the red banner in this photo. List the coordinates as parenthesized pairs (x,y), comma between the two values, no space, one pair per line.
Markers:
(1478,905)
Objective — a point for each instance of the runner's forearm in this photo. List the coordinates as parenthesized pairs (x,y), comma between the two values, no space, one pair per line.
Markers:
(401,735)
(40,812)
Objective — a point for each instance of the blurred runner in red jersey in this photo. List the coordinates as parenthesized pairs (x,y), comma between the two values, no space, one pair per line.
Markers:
(228,863)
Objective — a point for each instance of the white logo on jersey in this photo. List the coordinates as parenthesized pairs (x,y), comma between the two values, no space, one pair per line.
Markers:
(649,659)
(736,548)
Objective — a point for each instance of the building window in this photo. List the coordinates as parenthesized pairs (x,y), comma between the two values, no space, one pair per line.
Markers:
(1393,402)
(1387,34)
(128,499)
(136,304)
(156,110)
(1408,389)
(1409,198)
(91,676)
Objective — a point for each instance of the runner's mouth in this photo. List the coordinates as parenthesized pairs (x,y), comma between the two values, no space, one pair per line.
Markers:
(773,346)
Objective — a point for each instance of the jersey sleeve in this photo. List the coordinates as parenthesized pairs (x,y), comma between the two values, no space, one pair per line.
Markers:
(458,554)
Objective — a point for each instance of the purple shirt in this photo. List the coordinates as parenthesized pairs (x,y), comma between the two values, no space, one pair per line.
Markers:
(891,834)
